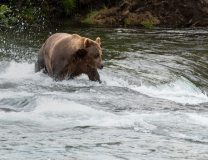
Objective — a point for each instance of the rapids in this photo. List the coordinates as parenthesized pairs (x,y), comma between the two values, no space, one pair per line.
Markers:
(151,105)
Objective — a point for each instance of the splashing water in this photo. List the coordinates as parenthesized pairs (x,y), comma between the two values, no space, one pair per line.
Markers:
(152,103)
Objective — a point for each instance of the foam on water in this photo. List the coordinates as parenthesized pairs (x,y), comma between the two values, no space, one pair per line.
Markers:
(55,112)
(198,119)
(11,94)
(61,113)
(181,91)
(24,73)
(188,31)
(18,71)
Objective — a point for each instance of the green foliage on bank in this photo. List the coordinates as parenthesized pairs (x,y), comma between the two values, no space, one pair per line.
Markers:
(12,10)
(68,6)
(90,15)
(4,20)
(126,22)
(37,9)
(148,24)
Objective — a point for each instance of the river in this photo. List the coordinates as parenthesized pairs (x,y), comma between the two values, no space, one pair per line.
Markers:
(152,104)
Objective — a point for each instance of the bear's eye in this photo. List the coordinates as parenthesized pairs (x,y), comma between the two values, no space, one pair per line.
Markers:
(96,55)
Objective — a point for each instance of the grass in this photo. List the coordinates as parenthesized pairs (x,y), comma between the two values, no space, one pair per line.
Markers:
(126,21)
(130,21)
(89,16)
(92,14)
(148,24)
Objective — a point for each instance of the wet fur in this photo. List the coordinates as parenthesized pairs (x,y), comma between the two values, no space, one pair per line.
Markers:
(68,56)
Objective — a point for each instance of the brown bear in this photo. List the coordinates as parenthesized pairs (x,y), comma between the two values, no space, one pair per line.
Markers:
(67,56)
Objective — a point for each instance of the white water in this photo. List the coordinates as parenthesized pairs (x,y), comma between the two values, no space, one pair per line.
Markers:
(54,109)
(181,91)
(144,109)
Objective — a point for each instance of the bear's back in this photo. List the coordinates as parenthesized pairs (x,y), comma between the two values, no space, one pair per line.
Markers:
(62,43)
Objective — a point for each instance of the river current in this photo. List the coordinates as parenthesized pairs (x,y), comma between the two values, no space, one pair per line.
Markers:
(152,104)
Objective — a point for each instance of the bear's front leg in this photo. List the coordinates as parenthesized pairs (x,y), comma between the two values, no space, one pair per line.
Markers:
(94,75)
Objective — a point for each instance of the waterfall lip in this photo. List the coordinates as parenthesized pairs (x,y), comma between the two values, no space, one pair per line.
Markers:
(181,91)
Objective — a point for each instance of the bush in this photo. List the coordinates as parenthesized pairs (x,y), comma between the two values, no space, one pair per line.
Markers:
(3,19)
(148,24)
(37,9)
(68,7)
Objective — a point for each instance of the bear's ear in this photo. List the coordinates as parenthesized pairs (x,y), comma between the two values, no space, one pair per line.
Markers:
(87,43)
(98,41)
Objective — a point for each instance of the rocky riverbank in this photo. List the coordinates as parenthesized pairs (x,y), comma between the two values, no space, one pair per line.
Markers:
(148,13)
(167,13)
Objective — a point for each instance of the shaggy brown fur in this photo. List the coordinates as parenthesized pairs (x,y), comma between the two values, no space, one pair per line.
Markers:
(67,56)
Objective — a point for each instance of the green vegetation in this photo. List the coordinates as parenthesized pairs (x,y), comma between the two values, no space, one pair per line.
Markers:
(68,7)
(28,14)
(89,16)
(36,9)
(92,14)
(4,20)
(41,9)
(126,21)
(130,21)
(148,24)
(104,7)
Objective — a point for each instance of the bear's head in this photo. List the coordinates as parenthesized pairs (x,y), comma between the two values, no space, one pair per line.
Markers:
(91,53)
(94,53)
